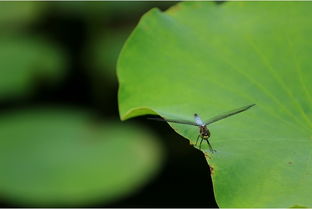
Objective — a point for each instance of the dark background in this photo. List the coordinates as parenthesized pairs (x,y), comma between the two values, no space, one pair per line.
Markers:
(185,179)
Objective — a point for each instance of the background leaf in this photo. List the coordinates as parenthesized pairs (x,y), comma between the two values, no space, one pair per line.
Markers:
(104,51)
(200,57)
(57,157)
(25,62)
(17,15)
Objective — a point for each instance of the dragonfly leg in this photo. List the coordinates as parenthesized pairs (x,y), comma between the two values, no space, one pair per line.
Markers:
(210,147)
(200,143)
(197,140)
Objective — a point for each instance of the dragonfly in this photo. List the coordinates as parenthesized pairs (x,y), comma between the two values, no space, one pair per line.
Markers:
(204,132)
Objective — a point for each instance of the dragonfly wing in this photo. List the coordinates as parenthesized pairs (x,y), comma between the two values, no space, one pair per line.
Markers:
(228,114)
(175,121)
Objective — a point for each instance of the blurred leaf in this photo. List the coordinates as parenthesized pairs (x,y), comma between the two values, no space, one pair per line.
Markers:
(17,14)
(26,61)
(108,9)
(200,57)
(60,157)
(104,50)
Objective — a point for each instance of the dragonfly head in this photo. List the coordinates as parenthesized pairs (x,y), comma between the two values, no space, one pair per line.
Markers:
(198,121)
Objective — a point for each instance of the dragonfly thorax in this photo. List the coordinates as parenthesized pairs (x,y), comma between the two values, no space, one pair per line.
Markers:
(204,132)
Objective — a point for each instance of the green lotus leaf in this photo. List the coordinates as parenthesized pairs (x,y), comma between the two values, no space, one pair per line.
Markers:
(59,157)
(207,58)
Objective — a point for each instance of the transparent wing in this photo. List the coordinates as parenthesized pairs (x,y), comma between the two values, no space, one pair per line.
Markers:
(228,114)
(175,121)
